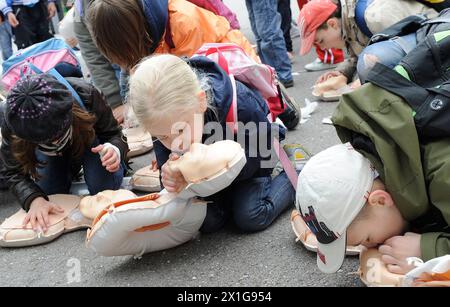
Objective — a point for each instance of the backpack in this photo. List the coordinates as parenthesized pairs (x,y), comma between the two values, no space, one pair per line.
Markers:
(239,66)
(422,79)
(410,24)
(52,53)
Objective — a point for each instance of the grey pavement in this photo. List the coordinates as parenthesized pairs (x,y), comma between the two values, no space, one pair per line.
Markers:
(227,258)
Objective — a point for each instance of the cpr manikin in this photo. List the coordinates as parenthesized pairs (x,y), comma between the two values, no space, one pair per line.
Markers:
(203,161)
(139,141)
(374,273)
(91,206)
(146,179)
(333,88)
(163,220)
(12,234)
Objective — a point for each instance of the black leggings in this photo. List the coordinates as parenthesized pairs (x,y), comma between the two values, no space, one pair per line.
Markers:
(284,8)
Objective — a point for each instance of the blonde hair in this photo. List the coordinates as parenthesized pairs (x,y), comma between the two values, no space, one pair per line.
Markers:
(163,85)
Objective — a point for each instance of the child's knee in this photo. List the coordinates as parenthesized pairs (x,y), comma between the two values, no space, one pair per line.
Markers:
(114,182)
(251,221)
(366,62)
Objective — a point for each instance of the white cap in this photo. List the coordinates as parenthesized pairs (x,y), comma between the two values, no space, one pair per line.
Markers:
(332,189)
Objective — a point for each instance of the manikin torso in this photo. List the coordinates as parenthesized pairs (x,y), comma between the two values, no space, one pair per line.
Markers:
(201,162)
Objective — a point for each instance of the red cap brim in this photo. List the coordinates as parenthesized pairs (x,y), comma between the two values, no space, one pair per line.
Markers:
(307,43)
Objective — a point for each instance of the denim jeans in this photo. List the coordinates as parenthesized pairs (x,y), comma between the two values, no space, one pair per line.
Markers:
(254,204)
(284,8)
(56,175)
(388,53)
(266,25)
(6,40)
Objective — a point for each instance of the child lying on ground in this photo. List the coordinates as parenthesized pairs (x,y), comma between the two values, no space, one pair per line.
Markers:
(385,183)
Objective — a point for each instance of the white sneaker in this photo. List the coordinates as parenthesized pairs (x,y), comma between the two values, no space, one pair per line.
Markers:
(318,65)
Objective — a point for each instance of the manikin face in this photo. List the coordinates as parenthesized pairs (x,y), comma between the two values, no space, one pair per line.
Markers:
(179,130)
(330,37)
(91,206)
(381,221)
(203,161)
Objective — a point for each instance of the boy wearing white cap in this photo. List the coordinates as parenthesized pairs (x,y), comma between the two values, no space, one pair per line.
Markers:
(387,181)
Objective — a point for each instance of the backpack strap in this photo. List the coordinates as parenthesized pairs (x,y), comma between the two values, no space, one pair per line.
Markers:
(286,163)
(393,81)
(61,80)
(222,61)
(231,121)
(443,19)
(232,115)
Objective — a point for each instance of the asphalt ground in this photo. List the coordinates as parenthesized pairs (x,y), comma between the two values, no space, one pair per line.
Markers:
(223,259)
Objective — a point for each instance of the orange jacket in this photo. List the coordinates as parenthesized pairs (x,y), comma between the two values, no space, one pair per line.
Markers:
(192,26)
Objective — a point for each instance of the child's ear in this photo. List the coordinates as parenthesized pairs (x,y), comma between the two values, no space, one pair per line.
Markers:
(203,103)
(333,23)
(381,198)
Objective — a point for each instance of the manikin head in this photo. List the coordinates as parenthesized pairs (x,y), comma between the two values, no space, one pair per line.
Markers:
(91,206)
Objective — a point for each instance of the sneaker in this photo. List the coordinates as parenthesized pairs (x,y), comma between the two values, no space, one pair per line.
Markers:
(298,156)
(318,65)
(290,118)
(287,83)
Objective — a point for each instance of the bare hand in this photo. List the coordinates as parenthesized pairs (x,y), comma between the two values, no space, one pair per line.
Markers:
(72,42)
(154,166)
(396,250)
(51,8)
(38,214)
(172,179)
(110,159)
(119,114)
(12,20)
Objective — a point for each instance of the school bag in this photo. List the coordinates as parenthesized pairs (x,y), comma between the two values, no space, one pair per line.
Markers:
(239,66)
(422,79)
(52,53)
(419,24)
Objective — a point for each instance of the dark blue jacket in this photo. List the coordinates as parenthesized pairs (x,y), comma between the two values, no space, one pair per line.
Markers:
(251,108)
(157,14)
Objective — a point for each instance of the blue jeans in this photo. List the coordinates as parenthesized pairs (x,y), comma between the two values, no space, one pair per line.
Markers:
(254,204)
(6,40)
(56,175)
(388,53)
(266,25)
